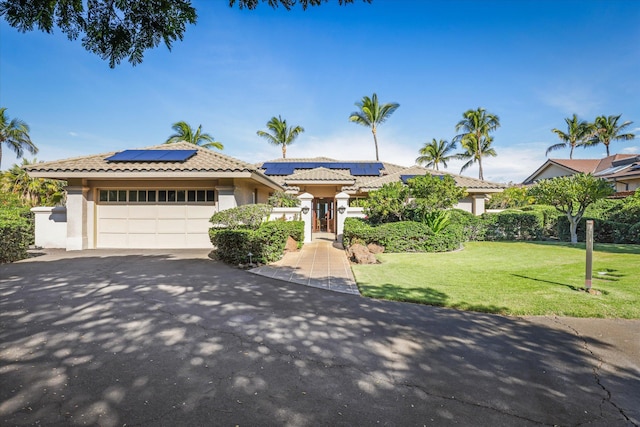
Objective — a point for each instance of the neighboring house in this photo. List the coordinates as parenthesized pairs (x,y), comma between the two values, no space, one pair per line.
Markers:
(163,196)
(622,170)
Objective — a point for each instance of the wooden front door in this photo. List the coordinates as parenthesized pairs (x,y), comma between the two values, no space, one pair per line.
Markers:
(323,215)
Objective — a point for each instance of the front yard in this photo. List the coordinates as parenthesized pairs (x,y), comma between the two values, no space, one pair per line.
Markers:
(513,278)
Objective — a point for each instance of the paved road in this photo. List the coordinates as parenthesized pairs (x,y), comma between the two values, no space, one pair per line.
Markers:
(111,339)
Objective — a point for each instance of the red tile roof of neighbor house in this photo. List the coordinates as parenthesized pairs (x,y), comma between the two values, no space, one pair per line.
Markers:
(593,166)
(578,165)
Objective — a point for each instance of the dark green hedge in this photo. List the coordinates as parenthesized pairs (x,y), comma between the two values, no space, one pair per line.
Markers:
(514,225)
(471,227)
(403,236)
(604,231)
(267,243)
(16,234)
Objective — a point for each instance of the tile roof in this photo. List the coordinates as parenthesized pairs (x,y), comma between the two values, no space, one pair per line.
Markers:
(598,167)
(320,174)
(390,173)
(461,181)
(578,165)
(205,160)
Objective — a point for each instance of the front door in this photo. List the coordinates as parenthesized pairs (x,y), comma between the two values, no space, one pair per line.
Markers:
(323,215)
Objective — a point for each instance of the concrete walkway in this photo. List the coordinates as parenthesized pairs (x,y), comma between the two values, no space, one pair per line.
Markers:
(321,264)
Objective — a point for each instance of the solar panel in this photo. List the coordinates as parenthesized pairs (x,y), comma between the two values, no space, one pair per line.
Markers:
(355,168)
(152,156)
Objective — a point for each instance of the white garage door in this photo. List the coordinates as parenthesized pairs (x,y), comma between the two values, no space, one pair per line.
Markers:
(149,225)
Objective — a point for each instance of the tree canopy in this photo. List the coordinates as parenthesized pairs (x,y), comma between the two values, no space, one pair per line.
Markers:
(476,125)
(577,134)
(423,195)
(117,30)
(14,134)
(281,134)
(184,132)
(372,114)
(571,195)
(32,191)
(606,130)
(435,152)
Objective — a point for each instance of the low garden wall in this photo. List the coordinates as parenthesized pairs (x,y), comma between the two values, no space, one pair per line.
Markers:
(51,227)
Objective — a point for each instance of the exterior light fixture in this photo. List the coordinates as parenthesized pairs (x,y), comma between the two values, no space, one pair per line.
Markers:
(342,209)
(305,210)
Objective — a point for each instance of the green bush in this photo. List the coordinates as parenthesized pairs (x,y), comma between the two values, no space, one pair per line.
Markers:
(357,230)
(271,238)
(629,213)
(267,243)
(472,227)
(402,236)
(514,225)
(550,217)
(604,231)
(603,208)
(16,228)
(246,216)
(280,199)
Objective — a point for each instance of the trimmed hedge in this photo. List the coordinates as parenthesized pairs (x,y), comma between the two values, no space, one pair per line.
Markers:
(604,231)
(471,227)
(403,236)
(514,225)
(16,234)
(267,243)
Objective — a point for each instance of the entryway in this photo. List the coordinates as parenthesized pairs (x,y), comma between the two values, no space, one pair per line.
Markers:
(324,215)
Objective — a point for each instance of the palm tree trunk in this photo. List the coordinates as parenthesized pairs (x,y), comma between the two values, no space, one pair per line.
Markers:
(607,145)
(480,174)
(571,153)
(1,154)
(375,141)
(284,151)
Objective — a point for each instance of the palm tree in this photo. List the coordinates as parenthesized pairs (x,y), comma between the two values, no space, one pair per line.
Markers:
(578,132)
(435,152)
(15,134)
(372,114)
(606,130)
(184,132)
(474,152)
(476,126)
(281,134)
(32,191)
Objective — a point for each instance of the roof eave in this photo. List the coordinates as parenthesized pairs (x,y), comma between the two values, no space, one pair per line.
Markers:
(141,174)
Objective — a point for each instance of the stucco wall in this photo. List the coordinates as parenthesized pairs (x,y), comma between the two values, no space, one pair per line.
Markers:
(51,227)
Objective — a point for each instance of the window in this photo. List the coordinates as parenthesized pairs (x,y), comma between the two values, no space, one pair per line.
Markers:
(156,196)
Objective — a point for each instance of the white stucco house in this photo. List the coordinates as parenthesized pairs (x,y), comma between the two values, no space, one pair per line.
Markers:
(163,196)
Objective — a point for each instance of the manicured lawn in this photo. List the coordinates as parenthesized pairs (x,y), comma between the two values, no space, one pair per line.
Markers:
(513,278)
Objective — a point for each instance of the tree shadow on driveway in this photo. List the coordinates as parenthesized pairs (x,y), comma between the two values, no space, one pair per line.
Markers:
(163,340)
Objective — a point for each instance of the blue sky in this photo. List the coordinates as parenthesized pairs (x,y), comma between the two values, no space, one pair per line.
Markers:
(533,63)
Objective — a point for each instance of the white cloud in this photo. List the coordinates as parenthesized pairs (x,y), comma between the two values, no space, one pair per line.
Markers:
(631,150)
(580,101)
(74,134)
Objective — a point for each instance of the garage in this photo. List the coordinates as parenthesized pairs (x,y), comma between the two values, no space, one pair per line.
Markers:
(154,219)
(158,197)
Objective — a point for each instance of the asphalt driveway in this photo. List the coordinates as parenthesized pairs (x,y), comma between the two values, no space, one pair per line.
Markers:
(111,338)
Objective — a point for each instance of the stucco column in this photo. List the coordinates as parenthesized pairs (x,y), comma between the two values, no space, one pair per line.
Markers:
(226,197)
(306,201)
(77,218)
(342,203)
(478,204)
